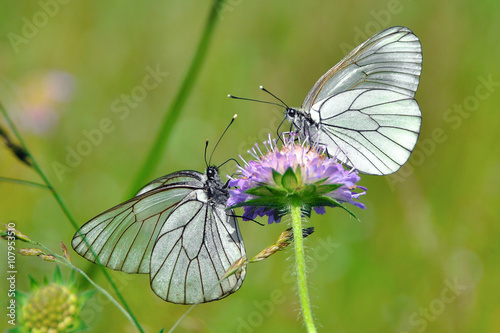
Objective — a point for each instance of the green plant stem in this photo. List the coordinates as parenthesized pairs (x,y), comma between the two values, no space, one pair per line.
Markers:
(22,182)
(66,262)
(175,108)
(191,308)
(65,210)
(38,169)
(300,267)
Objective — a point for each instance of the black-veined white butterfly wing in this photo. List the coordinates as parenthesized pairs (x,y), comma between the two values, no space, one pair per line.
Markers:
(363,108)
(196,246)
(391,59)
(375,130)
(177,229)
(123,236)
(191,177)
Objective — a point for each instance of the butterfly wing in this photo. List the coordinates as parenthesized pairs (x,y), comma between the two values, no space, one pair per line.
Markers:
(375,130)
(182,177)
(123,236)
(391,59)
(198,243)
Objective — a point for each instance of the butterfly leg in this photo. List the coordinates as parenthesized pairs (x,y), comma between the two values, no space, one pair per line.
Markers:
(278,130)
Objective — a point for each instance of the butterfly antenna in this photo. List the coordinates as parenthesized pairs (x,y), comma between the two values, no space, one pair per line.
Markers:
(206,146)
(231,159)
(270,93)
(254,100)
(230,123)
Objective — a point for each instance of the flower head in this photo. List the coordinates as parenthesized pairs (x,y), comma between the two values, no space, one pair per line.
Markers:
(53,306)
(295,172)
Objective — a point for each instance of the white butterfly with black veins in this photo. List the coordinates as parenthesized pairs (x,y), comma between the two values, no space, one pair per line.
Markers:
(178,230)
(363,109)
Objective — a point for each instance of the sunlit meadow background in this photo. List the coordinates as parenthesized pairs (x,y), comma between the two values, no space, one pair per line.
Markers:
(433,224)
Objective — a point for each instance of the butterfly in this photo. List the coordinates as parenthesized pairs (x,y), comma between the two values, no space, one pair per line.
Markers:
(177,230)
(363,109)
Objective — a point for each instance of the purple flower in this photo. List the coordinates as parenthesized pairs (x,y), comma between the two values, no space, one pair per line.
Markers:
(297,171)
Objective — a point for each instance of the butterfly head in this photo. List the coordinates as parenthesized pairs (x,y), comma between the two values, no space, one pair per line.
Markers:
(291,113)
(212,173)
(302,122)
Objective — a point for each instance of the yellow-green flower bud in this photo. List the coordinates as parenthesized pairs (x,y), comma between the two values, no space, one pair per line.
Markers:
(42,310)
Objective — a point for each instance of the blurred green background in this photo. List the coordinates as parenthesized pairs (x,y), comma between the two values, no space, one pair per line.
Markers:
(432,225)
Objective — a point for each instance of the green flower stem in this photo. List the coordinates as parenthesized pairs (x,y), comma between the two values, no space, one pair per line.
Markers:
(177,323)
(22,182)
(300,266)
(175,108)
(37,168)
(59,200)
(66,262)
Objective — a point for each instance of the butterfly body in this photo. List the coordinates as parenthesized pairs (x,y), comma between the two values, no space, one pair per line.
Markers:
(214,187)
